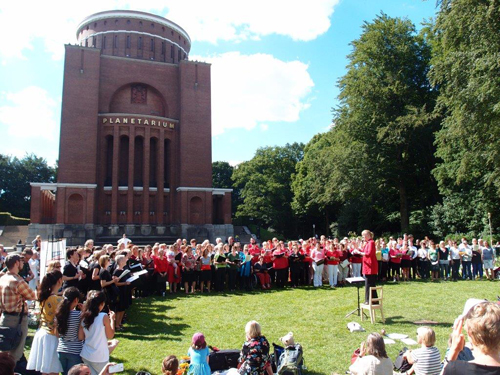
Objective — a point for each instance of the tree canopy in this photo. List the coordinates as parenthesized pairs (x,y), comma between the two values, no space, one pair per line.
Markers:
(15,177)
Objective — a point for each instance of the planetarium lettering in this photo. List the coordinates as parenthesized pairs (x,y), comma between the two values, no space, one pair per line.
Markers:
(138,121)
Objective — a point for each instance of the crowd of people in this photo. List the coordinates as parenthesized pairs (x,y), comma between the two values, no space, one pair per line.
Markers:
(84,299)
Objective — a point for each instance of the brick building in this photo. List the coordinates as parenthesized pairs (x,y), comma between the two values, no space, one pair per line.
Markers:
(135,150)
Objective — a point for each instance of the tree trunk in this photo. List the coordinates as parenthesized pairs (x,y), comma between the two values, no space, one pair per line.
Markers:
(327,220)
(403,207)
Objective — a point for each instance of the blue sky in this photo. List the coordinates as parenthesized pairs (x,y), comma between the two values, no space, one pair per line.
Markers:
(275,65)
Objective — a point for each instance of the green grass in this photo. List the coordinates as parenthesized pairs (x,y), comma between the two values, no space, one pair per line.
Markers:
(161,326)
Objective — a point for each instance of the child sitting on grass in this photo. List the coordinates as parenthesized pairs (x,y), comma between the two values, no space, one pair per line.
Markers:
(198,352)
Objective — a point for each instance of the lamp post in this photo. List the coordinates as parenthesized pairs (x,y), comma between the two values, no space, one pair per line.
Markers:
(314,230)
(491,234)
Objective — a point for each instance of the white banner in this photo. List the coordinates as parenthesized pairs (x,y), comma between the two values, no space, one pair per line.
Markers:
(52,250)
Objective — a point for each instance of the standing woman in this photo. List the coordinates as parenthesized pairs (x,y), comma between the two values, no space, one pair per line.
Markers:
(96,328)
(406,255)
(34,264)
(444,260)
(220,266)
(395,256)
(206,270)
(43,354)
(188,266)
(318,257)
(433,256)
(68,323)
(370,264)
(488,255)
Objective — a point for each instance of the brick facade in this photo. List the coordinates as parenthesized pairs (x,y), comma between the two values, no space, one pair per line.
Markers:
(135,143)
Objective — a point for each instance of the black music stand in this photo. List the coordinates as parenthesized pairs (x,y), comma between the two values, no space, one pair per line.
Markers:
(357,282)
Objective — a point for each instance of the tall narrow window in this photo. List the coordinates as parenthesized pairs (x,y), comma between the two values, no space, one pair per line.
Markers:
(116,41)
(139,43)
(153,162)
(162,48)
(123,161)
(128,41)
(152,45)
(179,55)
(93,41)
(172,52)
(103,42)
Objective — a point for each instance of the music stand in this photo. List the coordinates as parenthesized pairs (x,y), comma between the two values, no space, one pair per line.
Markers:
(357,282)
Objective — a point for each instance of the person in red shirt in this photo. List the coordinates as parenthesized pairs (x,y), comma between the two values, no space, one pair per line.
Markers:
(332,261)
(280,265)
(395,256)
(370,264)
(160,270)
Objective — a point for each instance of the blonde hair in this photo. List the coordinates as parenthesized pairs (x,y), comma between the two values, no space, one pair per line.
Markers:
(426,336)
(52,265)
(252,329)
(483,326)
(366,231)
(103,260)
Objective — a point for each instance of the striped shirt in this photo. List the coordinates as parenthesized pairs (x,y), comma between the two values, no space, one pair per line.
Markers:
(69,342)
(427,361)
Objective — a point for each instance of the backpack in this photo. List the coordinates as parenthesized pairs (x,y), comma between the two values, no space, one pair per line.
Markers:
(401,364)
(291,361)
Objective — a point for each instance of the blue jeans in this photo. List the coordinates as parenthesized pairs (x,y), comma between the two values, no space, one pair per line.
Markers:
(466,270)
(68,360)
(477,270)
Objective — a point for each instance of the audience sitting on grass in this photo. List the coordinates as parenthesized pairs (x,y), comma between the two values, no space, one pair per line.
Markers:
(372,358)
(426,360)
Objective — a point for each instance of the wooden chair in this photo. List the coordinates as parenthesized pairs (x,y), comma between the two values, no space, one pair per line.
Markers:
(374,304)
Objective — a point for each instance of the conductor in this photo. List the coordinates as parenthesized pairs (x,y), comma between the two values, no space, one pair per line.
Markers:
(370,264)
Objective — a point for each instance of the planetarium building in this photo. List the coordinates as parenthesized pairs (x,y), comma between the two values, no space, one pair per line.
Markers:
(135,151)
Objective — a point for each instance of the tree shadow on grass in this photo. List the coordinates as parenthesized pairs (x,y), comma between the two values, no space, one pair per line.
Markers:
(398,319)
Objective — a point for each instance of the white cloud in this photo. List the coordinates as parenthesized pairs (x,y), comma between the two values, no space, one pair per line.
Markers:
(264,127)
(248,90)
(240,20)
(30,112)
(55,23)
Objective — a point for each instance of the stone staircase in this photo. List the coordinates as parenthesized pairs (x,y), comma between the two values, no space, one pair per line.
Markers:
(11,234)
(243,234)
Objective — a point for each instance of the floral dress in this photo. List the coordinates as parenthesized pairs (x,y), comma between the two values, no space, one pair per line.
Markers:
(254,356)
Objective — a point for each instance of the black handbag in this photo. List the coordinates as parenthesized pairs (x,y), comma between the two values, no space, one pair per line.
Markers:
(10,337)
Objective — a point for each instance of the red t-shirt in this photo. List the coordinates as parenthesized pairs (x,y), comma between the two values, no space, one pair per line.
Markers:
(161,265)
(333,253)
(393,253)
(356,258)
(279,262)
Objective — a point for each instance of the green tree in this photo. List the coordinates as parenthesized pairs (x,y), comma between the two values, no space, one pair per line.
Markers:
(222,173)
(265,184)
(15,177)
(466,62)
(386,110)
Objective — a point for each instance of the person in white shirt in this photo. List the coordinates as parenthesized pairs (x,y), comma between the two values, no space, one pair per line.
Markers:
(466,254)
(372,358)
(124,240)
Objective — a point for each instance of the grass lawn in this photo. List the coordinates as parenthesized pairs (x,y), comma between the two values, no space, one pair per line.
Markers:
(161,326)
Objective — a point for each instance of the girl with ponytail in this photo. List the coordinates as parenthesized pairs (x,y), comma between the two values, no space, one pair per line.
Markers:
(43,354)
(68,323)
(96,328)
